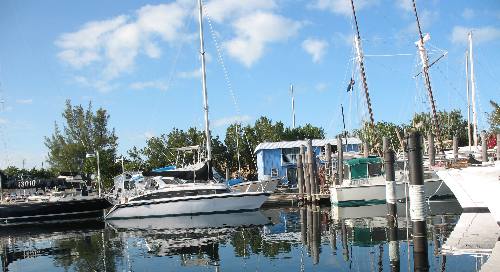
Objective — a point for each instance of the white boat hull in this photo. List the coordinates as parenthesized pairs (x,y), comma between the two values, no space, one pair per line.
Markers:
(476,188)
(374,192)
(192,205)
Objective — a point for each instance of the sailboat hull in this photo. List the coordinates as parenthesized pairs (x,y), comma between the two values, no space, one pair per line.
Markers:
(195,205)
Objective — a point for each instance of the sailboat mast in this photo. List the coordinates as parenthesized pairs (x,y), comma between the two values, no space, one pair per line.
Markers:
(204,84)
(473,92)
(468,97)
(293,106)
(425,69)
(359,51)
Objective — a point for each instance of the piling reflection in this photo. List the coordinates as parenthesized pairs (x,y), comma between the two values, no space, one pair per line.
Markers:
(304,238)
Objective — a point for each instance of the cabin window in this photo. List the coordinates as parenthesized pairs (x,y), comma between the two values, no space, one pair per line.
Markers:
(274,172)
(289,155)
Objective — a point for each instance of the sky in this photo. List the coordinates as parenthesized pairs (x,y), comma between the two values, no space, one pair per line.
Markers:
(140,61)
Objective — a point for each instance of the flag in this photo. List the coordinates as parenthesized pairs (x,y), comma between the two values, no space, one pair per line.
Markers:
(351,85)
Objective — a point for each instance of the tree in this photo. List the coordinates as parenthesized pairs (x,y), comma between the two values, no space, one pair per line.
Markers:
(452,123)
(160,150)
(374,135)
(84,131)
(264,130)
(494,117)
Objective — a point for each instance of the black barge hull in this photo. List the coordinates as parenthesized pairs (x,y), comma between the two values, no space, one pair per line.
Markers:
(44,212)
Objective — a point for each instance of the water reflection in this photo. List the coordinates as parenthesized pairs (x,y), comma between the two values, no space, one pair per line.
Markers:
(306,238)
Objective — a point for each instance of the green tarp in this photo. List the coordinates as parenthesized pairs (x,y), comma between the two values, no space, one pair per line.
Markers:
(359,166)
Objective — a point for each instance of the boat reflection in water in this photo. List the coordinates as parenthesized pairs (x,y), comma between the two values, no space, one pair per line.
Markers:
(308,238)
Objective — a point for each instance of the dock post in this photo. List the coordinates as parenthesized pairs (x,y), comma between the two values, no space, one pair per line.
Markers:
(340,162)
(345,246)
(312,177)
(390,195)
(455,148)
(432,150)
(307,185)
(498,146)
(227,173)
(304,168)
(328,165)
(300,177)
(390,184)
(366,150)
(484,147)
(417,203)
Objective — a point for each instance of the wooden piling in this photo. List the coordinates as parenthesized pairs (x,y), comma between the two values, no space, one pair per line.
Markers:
(390,194)
(305,165)
(455,148)
(300,176)
(417,203)
(227,173)
(312,177)
(340,162)
(498,147)
(328,165)
(432,150)
(316,236)
(484,147)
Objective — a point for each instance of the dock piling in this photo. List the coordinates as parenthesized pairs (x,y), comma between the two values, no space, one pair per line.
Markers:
(390,195)
(417,203)
(484,147)
(328,165)
(312,177)
(340,162)
(432,150)
(455,148)
(300,177)
(498,146)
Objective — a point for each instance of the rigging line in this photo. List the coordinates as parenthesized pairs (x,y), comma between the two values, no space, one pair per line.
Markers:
(389,55)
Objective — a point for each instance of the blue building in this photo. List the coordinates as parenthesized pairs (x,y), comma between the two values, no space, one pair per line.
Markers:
(279,159)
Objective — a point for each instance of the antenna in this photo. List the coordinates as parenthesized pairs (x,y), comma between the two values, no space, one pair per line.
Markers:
(473,92)
(293,106)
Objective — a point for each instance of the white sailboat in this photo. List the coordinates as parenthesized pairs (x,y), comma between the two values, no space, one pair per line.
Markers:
(190,191)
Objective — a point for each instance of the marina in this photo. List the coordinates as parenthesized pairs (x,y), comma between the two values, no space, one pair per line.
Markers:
(191,187)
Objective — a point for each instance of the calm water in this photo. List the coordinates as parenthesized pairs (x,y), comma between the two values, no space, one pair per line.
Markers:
(285,239)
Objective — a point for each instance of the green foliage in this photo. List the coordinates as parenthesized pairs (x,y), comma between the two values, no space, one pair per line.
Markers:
(374,135)
(494,117)
(33,173)
(247,138)
(159,151)
(451,124)
(84,131)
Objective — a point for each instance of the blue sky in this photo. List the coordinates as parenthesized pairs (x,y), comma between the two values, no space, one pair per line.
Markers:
(139,60)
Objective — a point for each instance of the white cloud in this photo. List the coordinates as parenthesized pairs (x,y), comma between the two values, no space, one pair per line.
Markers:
(342,7)
(468,13)
(148,134)
(321,87)
(316,48)
(406,5)
(3,121)
(115,43)
(231,120)
(24,101)
(427,18)
(154,84)
(100,85)
(255,31)
(196,73)
(219,10)
(484,34)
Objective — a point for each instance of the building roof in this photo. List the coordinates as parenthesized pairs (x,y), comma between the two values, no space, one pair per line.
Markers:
(292,144)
